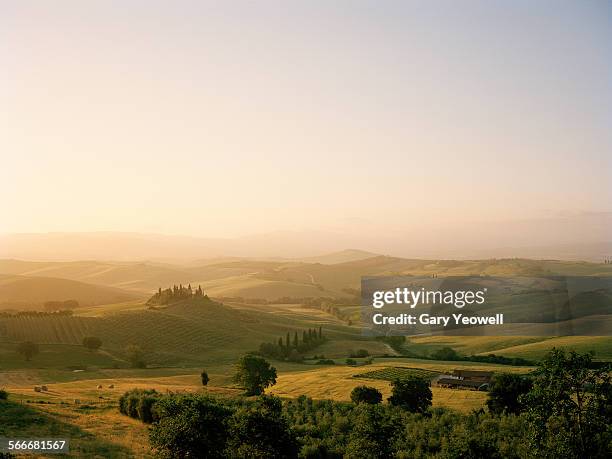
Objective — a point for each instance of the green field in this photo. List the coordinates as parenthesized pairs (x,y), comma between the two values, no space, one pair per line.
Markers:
(393,373)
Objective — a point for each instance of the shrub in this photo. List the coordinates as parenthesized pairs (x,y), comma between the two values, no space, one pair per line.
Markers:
(204,377)
(139,404)
(3,394)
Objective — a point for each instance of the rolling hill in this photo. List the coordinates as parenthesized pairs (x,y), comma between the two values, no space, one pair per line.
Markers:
(23,292)
(251,278)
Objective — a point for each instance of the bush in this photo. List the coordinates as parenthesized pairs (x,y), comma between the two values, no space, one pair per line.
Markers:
(204,377)
(365,394)
(139,404)
(351,362)
(3,394)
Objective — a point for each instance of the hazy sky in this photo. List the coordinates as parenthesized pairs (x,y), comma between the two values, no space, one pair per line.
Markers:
(232,118)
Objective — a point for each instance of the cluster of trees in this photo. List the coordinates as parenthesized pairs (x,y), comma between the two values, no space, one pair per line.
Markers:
(411,394)
(176,293)
(63,312)
(563,410)
(292,347)
(448,353)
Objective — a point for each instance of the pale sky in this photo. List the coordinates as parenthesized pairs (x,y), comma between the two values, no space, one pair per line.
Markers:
(233,118)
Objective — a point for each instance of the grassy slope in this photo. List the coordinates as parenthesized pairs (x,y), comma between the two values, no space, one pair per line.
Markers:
(99,431)
(34,291)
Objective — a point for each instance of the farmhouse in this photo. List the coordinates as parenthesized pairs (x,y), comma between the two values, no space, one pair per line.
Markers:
(465,379)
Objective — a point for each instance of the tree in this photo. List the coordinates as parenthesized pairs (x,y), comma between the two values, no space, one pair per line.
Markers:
(190,426)
(135,355)
(295,340)
(28,349)
(92,343)
(412,394)
(570,407)
(505,392)
(261,431)
(287,341)
(254,374)
(204,377)
(365,394)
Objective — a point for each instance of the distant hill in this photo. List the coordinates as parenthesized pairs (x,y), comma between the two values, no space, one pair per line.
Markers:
(343,256)
(32,292)
(252,278)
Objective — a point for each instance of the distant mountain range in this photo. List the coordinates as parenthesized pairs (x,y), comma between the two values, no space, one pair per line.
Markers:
(285,245)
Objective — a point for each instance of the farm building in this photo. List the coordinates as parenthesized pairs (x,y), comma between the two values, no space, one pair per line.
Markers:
(465,379)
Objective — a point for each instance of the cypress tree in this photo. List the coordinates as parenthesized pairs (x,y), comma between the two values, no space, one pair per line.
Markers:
(304,337)
(320,332)
(288,341)
(295,340)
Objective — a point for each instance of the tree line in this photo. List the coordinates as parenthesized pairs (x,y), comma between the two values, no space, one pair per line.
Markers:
(292,347)
(63,312)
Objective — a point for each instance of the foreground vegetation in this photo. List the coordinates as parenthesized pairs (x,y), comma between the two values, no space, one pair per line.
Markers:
(565,411)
